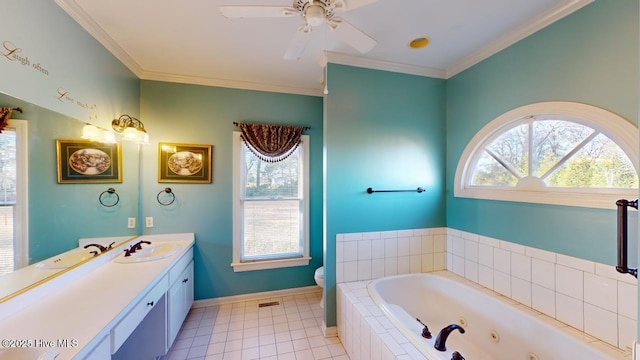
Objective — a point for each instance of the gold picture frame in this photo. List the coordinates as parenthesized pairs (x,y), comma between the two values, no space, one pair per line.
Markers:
(185,163)
(84,161)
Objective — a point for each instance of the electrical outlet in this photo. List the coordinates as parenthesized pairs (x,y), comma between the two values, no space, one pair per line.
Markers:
(131,223)
(149,221)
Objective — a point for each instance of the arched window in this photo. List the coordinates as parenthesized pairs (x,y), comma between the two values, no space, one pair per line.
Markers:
(559,153)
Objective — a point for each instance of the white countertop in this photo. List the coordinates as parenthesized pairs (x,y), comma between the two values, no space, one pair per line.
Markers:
(80,310)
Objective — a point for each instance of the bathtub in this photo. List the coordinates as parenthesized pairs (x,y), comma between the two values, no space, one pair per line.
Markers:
(495,328)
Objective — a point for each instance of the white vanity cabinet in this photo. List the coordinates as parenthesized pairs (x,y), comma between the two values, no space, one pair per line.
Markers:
(179,301)
(148,327)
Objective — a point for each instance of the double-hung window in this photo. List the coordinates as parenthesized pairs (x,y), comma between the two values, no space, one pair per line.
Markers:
(271,208)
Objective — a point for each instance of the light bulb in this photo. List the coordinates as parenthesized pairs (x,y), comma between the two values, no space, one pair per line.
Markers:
(90,132)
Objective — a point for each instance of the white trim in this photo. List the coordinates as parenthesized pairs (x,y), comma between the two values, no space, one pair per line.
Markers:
(330,331)
(567,7)
(337,58)
(236,264)
(613,126)
(74,10)
(255,296)
(564,9)
(21,220)
(269,264)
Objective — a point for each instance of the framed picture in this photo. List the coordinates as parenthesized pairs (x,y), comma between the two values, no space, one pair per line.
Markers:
(184,163)
(83,161)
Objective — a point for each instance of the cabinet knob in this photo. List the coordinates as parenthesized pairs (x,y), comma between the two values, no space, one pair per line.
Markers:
(185,280)
(150,303)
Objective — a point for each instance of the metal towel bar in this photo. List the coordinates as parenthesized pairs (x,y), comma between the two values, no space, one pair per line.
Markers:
(622,236)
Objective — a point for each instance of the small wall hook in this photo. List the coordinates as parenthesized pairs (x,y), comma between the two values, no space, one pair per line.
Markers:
(107,194)
(170,193)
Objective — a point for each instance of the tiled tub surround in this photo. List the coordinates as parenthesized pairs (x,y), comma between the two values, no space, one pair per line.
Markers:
(372,255)
(368,334)
(591,297)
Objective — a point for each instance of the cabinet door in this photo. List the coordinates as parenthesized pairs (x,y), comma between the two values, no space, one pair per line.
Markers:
(180,300)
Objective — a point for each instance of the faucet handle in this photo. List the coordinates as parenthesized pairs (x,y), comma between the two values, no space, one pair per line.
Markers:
(110,246)
(425,332)
(456,356)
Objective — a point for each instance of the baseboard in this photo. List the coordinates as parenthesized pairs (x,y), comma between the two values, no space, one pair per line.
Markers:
(255,296)
(330,331)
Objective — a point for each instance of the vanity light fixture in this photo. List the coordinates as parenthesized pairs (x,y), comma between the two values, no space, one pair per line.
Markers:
(131,128)
(96,133)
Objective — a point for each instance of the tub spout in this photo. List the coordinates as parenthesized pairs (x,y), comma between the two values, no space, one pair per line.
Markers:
(444,334)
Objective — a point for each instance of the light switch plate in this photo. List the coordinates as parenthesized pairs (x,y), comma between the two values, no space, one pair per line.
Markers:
(149,221)
(131,223)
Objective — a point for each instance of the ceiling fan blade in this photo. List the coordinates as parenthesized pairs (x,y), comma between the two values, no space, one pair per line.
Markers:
(352,35)
(234,12)
(345,5)
(298,43)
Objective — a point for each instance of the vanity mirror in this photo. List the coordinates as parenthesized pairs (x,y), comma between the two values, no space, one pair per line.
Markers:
(59,214)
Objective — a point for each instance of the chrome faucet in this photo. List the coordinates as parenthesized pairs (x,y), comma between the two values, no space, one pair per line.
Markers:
(100,247)
(441,339)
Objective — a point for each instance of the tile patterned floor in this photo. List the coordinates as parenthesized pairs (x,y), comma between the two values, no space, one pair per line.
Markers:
(244,331)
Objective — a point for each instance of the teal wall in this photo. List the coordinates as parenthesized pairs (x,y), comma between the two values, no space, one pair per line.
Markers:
(386,131)
(374,129)
(204,115)
(55,56)
(590,57)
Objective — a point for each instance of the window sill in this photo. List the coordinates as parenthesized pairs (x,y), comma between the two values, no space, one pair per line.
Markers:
(602,198)
(269,264)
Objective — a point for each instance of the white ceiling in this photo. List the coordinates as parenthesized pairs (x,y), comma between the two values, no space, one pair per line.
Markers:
(191,42)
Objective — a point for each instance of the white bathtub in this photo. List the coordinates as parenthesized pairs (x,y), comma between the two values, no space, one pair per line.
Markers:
(495,328)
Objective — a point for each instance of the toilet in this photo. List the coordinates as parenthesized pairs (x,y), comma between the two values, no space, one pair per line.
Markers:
(319,277)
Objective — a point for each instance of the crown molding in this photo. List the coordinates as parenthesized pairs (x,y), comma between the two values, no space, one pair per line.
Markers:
(545,19)
(72,8)
(342,59)
(537,23)
(234,84)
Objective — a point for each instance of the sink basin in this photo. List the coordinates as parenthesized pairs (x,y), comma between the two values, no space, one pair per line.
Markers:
(150,253)
(27,354)
(65,260)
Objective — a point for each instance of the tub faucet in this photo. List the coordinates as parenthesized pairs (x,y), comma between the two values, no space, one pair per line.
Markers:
(444,334)
(425,331)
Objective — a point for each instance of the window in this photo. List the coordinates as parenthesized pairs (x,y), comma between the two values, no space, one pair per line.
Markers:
(271,207)
(13,197)
(554,153)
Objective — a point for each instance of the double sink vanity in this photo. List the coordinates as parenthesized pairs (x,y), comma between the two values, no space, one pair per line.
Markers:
(119,305)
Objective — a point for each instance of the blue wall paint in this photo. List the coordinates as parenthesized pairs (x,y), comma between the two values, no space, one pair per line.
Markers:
(386,131)
(204,115)
(591,57)
(60,214)
(98,88)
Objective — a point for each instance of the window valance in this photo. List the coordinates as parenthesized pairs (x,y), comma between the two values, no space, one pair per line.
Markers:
(271,143)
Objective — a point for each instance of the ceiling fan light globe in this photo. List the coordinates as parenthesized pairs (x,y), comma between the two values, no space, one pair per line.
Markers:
(314,15)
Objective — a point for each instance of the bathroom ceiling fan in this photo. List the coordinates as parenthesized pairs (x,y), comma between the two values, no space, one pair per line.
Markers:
(315,13)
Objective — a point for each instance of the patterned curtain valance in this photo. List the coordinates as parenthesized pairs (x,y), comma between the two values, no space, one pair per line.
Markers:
(5,115)
(271,143)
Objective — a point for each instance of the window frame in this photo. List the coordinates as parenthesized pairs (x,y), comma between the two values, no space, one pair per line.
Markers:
(275,262)
(21,210)
(615,127)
